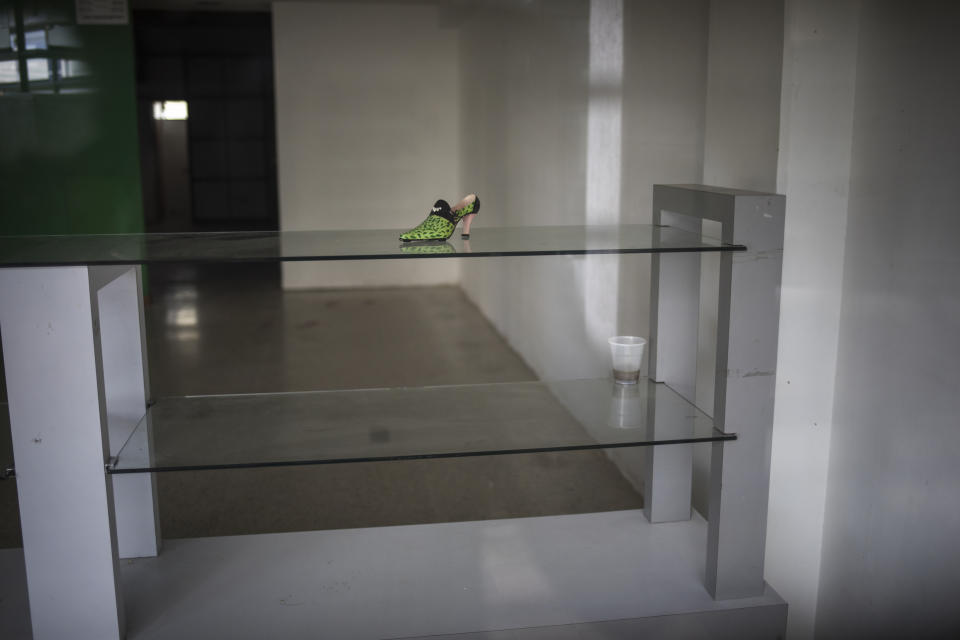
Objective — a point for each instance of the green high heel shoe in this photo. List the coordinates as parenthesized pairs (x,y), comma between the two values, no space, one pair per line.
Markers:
(442,220)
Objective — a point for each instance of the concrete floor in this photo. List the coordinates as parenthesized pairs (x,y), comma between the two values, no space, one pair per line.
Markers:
(231,329)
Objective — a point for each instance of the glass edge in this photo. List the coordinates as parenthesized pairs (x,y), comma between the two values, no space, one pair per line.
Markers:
(725,248)
(115,460)
(545,382)
(119,469)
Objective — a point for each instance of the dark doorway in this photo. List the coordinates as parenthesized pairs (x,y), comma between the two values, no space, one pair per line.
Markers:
(208,165)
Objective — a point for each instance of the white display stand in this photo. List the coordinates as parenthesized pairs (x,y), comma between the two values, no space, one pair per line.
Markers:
(75,363)
(747,329)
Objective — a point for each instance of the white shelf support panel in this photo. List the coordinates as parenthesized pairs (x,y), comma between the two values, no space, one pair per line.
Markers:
(747,329)
(675,299)
(126,386)
(75,368)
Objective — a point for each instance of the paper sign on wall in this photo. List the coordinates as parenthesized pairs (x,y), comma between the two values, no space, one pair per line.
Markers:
(102,12)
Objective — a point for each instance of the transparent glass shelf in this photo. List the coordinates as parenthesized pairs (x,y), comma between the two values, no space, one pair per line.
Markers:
(276,246)
(326,427)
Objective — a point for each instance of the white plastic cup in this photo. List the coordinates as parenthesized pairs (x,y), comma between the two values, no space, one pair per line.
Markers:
(627,352)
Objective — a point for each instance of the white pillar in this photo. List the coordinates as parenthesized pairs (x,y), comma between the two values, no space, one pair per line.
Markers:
(747,330)
(674,326)
(58,419)
(126,387)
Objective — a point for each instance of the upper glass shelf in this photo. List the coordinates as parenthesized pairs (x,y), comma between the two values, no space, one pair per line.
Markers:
(279,246)
(324,427)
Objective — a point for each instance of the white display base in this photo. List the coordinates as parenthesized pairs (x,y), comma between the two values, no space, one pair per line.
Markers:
(426,580)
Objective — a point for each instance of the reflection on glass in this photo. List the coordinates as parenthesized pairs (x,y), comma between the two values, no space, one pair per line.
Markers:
(40,47)
(182,319)
(43,14)
(35,40)
(38,69)
(604,115)
(170,110)
(627,406)
(73,68)
(426,247)
(63,36)
(601,275)
(9,72)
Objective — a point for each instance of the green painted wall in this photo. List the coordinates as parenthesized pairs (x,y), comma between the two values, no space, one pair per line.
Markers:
(69,158)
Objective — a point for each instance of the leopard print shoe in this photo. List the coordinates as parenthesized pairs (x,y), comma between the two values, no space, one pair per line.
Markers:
(439,224)
(442,220)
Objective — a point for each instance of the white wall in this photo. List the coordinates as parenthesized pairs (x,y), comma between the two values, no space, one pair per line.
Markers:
(368,132)
(816,123)
(664,97)
(525,112)
(536,163)
(740,140)
(890,546)
(743,94)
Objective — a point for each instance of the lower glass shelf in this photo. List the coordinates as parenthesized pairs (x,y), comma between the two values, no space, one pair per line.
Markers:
(326,427)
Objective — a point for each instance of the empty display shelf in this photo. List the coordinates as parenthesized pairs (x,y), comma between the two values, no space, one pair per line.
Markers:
(324,427)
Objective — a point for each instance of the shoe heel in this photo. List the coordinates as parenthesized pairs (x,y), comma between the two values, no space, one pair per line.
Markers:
(467,220)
